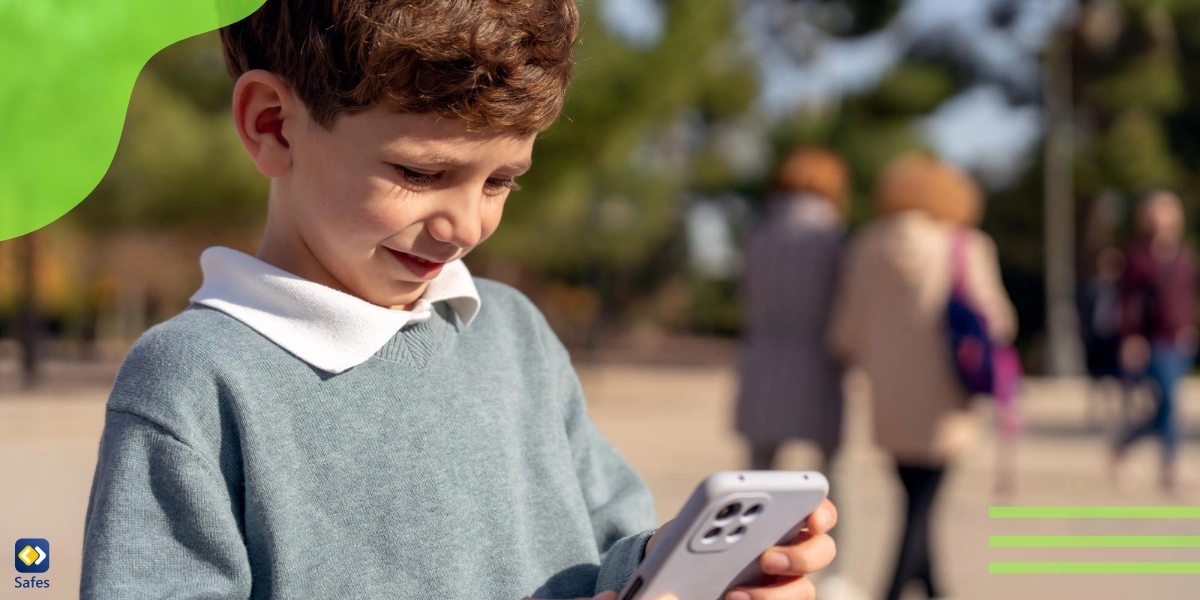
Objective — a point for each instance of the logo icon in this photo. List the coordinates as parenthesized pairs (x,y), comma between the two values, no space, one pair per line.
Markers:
(32,555)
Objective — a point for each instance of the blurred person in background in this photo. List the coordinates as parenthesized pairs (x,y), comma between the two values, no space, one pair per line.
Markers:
(1100,316)
(889,319)
(790,383)
(1158,332)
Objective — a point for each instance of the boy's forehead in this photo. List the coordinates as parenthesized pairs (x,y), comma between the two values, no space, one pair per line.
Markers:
(431,137)
(434,128)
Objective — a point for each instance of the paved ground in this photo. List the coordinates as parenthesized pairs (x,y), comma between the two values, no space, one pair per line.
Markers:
(671,421)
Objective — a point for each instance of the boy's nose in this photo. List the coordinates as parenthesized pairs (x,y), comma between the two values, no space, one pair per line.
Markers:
(460,226)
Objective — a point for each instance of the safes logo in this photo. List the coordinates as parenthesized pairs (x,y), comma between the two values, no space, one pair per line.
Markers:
(32,555)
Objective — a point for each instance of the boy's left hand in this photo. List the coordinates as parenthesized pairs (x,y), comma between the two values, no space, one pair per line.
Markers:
(787,566)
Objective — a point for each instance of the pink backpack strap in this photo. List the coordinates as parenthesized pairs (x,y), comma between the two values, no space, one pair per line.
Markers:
(958,262)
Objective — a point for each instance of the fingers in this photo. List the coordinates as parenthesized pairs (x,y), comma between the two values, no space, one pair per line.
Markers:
(613,596)
(810,553)
(609,595)
(823,519)
(797,588)
(654,538)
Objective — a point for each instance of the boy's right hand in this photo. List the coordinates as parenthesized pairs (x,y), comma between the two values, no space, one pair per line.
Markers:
(613,596)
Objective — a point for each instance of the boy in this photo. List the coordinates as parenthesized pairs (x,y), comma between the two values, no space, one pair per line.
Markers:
(348,413)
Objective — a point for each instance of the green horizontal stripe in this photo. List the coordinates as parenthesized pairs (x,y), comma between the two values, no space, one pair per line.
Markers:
(1094,568)
(1094,541)
(1094,512)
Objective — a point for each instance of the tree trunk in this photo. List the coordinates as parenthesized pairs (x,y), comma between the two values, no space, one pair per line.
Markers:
(29,326)
(1064,352)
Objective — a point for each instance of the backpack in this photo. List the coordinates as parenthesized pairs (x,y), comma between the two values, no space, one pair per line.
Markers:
(971,349)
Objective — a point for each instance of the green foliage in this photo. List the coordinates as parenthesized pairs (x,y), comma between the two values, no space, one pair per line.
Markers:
(870,15)
(1135,153)
(609,177)
(1150,81)
(914,88)
(1140,123)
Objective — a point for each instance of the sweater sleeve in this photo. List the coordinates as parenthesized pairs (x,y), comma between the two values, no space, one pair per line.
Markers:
(618,500)
(163,515)
(620,504)
(159,522)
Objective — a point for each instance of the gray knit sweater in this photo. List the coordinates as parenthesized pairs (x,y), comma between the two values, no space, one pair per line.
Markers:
(457,463)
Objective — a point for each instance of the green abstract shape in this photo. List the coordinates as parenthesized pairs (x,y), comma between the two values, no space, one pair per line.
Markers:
(1094,541)
(1094,568)
(68,69)
(1094,512)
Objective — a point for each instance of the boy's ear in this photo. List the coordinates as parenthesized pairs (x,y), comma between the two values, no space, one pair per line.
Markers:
(262,104)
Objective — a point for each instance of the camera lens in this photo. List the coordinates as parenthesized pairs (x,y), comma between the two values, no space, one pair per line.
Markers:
(712,533)
(736,534)
(729,511)
(753,510)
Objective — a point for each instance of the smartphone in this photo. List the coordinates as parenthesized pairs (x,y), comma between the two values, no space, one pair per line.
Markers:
(714,544)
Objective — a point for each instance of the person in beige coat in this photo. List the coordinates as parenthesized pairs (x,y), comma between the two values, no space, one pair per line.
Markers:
(889,320)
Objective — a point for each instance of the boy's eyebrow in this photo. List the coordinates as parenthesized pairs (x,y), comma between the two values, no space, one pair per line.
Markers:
(434,158)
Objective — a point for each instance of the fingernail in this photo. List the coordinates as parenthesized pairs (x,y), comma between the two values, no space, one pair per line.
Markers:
(777,562)
(738,595)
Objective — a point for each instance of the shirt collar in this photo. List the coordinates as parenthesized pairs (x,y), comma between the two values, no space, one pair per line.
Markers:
(328,329)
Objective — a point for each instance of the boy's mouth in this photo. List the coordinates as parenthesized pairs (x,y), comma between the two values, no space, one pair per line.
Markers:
(425,269)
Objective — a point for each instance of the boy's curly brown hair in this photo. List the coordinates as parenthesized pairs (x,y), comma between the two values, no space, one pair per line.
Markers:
(488,63)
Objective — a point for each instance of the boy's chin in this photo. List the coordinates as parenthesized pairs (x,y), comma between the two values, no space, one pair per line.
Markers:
(397,293)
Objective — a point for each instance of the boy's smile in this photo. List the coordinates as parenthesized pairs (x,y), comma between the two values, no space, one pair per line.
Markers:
(423,268)
(376,205)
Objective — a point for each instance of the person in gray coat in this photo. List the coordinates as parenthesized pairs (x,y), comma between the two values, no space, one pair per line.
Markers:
(790,384)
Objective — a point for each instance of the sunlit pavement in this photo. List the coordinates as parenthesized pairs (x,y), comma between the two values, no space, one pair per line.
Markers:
(672,424)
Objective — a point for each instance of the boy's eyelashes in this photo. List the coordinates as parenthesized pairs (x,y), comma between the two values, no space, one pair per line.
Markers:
(503,184)
(416,179)
(420,181)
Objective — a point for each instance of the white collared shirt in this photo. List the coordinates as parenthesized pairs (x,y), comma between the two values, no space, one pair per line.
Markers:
(328,329)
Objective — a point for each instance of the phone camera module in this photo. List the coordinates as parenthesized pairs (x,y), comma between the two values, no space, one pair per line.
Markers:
(736,535)
(729,511)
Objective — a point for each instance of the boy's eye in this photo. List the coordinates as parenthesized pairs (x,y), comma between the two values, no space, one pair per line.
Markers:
(499,185)
(416,178)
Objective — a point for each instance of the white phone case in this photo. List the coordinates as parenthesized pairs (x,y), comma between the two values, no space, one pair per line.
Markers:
(713,545)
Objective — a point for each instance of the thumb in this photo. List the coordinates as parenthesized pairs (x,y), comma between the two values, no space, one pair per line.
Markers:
(610,595)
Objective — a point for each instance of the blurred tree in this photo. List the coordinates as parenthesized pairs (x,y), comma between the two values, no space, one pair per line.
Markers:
(650,126)
(604,202)
(28,328)
(1134,65)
